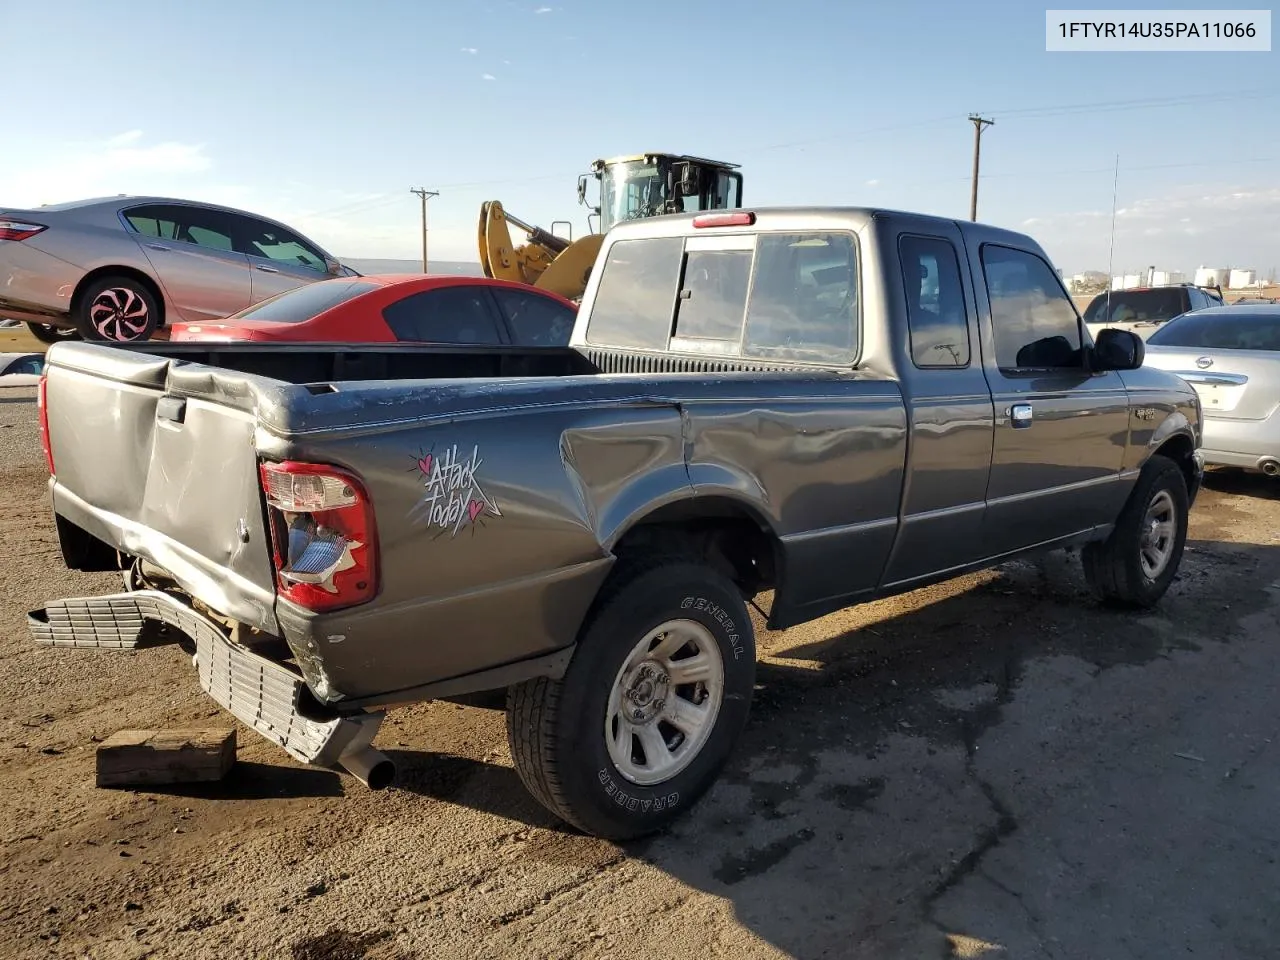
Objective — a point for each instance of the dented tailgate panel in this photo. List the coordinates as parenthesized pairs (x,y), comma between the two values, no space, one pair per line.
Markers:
(169,478)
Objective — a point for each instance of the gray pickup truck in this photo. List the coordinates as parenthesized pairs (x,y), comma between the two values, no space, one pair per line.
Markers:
(825,406)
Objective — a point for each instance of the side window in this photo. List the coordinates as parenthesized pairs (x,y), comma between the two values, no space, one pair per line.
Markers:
(446,315)
(535,320)
(153,221)
(713,297)
(804,298)
(936,312)
(262,239)
(637,294)
(1034,321)
(203,228)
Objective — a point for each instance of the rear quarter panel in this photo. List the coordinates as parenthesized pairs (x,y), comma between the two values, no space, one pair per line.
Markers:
(498,507)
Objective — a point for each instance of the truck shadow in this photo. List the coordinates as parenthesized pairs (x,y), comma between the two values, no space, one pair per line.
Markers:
(856,799)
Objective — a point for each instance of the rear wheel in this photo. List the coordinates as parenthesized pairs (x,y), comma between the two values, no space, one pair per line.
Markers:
(47,333)
(1134,566)
(119,309)
(649,709)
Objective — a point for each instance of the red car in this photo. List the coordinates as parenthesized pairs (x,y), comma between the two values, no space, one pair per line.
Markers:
(408,308)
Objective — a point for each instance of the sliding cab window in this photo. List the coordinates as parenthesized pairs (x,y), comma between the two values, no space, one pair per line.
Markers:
(636,296)
(712,302)
(803,306)
(936,315)
(1034,322)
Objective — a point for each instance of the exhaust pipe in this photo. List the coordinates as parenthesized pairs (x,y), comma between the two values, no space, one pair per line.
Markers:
(1270,467)
(371,767)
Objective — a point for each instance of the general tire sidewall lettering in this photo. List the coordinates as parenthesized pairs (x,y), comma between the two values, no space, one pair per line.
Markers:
(732,629)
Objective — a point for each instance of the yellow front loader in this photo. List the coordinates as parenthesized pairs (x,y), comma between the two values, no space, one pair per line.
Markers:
(631,187)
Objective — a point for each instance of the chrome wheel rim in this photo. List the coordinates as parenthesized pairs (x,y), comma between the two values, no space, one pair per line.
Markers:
(118,314)
(664,702)
(1159,528)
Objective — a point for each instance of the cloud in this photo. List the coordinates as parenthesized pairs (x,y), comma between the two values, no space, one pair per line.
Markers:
(487,76)
(543,10)
(123,163)
(873,183)
(1185,227)
(470,50)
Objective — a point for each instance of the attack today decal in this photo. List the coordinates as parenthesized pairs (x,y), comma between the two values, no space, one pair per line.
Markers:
(453,496)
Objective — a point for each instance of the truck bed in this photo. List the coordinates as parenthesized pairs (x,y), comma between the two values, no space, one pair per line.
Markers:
(302,363)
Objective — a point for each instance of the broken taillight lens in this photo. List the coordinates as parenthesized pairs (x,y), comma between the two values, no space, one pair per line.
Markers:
(323,539)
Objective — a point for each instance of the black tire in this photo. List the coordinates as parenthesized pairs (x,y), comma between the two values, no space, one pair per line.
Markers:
(116,309)
(1114,568)
(47,333)
(556,728)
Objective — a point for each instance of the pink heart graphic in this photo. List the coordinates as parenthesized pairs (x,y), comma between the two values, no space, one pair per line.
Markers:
(474,508)
(424,464)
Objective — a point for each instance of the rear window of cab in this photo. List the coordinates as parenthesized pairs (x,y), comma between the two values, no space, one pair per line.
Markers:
(772,296)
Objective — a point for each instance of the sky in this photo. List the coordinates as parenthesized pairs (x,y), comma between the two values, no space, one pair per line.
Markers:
(325,114)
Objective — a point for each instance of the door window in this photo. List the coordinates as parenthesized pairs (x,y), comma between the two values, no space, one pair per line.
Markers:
(203,228)
(936,313)
(1034,321)
(535,320)
(262,239)
(447,315)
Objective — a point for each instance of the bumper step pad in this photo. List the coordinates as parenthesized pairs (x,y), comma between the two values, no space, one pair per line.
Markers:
(262,694)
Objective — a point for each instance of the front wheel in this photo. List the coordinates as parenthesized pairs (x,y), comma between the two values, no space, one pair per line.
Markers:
(1134,566)
(119,309)
(649,709)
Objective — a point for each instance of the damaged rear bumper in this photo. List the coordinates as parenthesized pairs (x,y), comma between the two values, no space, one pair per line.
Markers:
(266,696)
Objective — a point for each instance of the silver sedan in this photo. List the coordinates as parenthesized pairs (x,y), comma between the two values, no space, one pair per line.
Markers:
(1231,356)
(123,267)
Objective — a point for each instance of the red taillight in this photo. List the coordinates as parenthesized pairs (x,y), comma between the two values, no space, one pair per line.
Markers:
(725,220)
(323,538)
(19,229)
(42,402)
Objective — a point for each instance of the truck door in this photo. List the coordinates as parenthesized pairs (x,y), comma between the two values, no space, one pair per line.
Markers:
(948,402)
(1060,430)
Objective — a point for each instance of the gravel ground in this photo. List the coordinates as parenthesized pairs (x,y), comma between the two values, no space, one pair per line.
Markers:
(994,767)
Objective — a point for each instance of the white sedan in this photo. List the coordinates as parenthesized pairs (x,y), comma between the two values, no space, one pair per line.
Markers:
(1231,356)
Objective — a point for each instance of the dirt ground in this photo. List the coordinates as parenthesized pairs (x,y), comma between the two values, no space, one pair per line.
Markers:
(992,768)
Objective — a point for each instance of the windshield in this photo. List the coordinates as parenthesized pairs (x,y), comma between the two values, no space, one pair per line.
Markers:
(629,191)
(303,303)
(1223,328)
(1137,306)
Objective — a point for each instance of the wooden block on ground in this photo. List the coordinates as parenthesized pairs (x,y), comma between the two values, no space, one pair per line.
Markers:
(140,757)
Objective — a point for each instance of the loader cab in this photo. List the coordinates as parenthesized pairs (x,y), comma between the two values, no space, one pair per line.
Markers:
(653,184)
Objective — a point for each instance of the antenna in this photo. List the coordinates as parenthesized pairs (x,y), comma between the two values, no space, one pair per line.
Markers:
(1111,258)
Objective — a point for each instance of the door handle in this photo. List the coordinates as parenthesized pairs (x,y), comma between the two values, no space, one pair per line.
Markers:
(1020,415)
(157,246)
(258,266)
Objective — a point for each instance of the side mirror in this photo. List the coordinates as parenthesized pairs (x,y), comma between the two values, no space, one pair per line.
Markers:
(582,189)
(333,267)
(1118,350)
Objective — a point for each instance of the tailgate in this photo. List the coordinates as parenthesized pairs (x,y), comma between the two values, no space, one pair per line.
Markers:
(167,477)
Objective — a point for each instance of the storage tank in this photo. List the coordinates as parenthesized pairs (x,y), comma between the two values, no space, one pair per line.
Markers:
(1240,279)
(1164,278)
(1212,276)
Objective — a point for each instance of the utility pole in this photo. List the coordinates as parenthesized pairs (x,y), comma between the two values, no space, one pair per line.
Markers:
(978,124)
(425,195)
